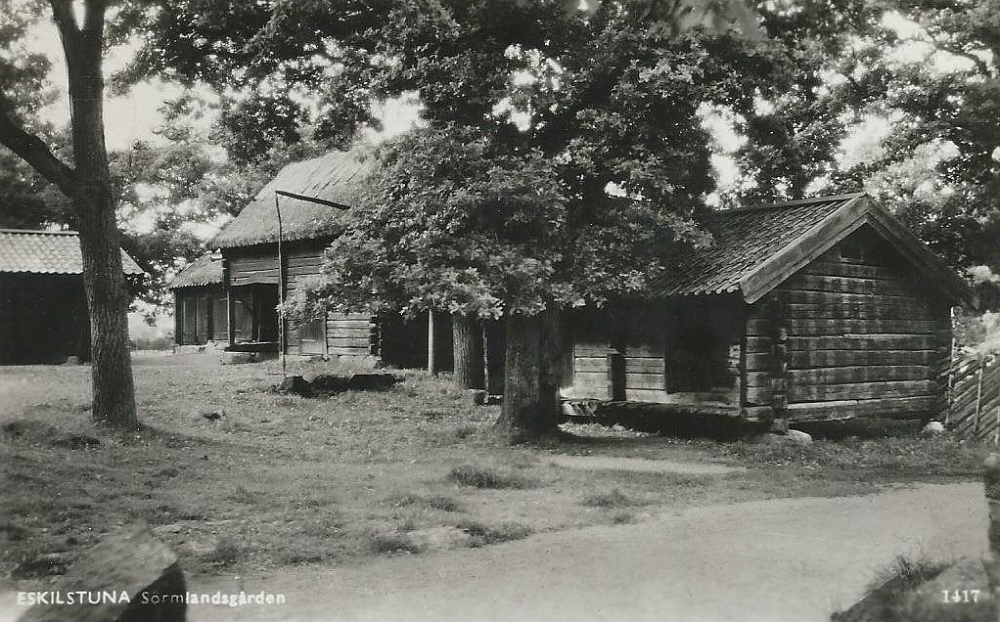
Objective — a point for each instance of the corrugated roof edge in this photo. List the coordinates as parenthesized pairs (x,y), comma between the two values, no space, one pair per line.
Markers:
(39,232)
(132,270)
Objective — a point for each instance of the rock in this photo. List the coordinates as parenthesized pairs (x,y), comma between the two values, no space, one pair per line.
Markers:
(72,360)
(478,396)
(296,385)
(933,428)
(797,437)
(371,382)
(212,414)
(438,539)
(236,358)
(329,383)
(74,441)
(131,562)
(325,383)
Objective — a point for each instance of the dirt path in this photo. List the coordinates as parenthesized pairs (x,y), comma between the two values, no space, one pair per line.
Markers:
(795,560)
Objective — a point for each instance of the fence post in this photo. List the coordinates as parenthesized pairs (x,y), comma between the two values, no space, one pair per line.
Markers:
(991,481)
(979,397)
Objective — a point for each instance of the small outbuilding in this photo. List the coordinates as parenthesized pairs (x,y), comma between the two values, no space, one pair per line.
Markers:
(810,310)
(201,312)
(43,306)
(312,199)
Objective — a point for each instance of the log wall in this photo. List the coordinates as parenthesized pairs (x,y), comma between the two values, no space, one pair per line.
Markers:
(629,353)
(351,334)
(861,336)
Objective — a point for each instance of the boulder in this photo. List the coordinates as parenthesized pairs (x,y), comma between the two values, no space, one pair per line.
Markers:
(134,576)
(797,437)
(933,428)
(236,358)
(371,382)
(478,396)
(296,385)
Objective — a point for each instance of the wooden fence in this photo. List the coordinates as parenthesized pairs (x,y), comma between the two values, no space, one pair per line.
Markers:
(974,397)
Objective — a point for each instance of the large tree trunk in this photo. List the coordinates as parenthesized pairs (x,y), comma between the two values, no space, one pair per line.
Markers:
(470,370)
(496,347)
(531,388)
(89,187)
(107,298)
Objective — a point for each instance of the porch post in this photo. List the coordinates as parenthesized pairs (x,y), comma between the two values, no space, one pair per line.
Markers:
(431,367)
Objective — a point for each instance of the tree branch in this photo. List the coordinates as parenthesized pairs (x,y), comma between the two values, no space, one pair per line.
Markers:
(32,150)
(93,20)
(62,13)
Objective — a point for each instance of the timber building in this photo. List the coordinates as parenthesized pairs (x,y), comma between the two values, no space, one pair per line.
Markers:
(818,309)
(43,305)
(253,279)
(201,313)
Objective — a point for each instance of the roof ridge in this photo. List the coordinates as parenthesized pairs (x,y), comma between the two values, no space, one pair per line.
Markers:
(797,202)
(39,232)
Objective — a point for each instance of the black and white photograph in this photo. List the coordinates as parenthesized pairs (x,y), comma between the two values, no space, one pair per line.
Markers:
(499,310)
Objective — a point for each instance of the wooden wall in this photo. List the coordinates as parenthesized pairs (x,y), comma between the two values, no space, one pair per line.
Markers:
(200,315)
(862,335)
(635,352)
(340,335)
(43,318)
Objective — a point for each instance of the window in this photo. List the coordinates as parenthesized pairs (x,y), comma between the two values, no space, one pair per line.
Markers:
(851,250)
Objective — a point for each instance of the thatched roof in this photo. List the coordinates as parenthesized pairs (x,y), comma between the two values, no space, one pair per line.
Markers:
(206,270)
(48,252)
(337,177)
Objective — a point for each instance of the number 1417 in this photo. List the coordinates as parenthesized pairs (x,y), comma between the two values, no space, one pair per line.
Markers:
(960,596)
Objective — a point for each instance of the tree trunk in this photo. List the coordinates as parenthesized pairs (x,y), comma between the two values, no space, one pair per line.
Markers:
(89,187)
(104,279)
(470,370)
(495,355)
(531,388)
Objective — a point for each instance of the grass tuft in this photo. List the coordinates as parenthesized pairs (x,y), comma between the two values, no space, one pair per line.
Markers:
(394,542)
(485,477)
(613,499)
(484,535)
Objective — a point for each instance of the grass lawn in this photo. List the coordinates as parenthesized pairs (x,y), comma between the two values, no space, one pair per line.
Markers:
(284,480)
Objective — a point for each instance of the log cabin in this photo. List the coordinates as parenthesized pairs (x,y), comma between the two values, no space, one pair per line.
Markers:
(43,306)
(201,311)
(819,309)
(312,198)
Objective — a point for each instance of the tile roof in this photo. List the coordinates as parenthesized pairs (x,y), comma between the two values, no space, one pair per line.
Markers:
(47,252)
(337,177)
(205,270)
(744,239)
